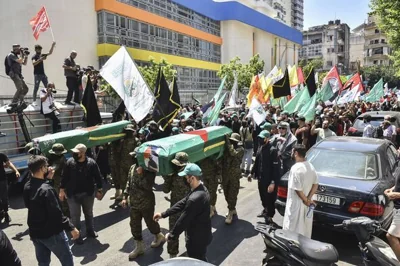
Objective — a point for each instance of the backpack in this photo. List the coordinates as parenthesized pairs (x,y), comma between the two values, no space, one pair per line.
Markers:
(7,66)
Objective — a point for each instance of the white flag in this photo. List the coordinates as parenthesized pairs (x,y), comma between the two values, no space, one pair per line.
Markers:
(232,99)
(350,96)
(123,75)
(257,111)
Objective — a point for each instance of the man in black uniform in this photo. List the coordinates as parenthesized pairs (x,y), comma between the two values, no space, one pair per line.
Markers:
(7,253)
(5,162)
(195,215)
(266,171)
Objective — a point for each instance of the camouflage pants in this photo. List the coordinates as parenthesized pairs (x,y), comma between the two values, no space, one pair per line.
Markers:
(123,178)
(231,187)
(136,222)
(212,186)
(115,174)
(173,245)
(64,204)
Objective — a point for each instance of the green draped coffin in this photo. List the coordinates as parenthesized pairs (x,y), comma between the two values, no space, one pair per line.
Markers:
(157,155)
(90,136)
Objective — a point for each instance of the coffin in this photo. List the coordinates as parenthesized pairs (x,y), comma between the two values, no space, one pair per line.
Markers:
(157,155)
(90,136)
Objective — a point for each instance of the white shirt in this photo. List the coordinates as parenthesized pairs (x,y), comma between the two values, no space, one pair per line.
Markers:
(84,82)
(324,133)
(302,177)
(368,131)
(46,104)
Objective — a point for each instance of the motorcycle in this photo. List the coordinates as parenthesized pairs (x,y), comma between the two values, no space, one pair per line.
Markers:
(292,249)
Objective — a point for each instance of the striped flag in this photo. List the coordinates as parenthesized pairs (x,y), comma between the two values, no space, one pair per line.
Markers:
(40,23)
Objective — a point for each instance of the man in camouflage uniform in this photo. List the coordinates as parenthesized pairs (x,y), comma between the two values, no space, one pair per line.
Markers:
(57,161)
(179,189)
(231,173)
(121,161)
(211,174)
(142,202)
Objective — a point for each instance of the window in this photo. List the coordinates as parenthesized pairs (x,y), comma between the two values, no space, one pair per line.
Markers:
(376,30)
(383,41)
(328,50)
(371,42)
(375,62)
(376,41)
(329,63)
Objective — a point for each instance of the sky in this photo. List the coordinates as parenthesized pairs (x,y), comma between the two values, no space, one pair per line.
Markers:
(319,12)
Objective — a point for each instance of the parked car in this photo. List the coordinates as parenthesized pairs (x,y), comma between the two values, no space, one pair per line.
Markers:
(377,118)
(353,175)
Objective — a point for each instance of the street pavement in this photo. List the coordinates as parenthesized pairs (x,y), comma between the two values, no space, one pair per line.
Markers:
(236,244)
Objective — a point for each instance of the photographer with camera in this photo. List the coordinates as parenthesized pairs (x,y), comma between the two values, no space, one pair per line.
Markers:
(38,66)
(13,66)
(71,70)
(47,106)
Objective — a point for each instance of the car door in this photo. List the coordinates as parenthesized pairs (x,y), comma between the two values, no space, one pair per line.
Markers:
(393,163)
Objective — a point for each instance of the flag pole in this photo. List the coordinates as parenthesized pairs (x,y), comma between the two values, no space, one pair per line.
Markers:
(48,18)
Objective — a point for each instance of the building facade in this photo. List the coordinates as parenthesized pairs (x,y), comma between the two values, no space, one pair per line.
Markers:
(297,17)
(329,42)
(195,36)
(376,48)
(357,43)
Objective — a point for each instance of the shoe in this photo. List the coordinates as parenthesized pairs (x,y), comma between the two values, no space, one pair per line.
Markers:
(79,241)
(7,218)
(268,220)
(92,234)
(139,250)
(229,217)
(158,240)
(234,212)
(262,214)
(212,211)
(171,256)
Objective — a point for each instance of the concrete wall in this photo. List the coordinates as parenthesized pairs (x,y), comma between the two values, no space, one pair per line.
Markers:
(74,24)
(238,41)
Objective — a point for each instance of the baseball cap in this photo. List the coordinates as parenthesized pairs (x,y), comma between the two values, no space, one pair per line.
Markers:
(181,159)
(191,169)
(79,148)
(266,126)
(264,134)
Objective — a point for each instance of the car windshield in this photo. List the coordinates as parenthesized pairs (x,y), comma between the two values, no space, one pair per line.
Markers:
(376,122)
(346,164)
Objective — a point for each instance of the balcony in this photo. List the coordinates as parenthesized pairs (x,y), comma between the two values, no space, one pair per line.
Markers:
(297,8)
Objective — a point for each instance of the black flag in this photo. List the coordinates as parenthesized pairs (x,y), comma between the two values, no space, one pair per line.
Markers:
(167,104)
(119,113)
(311,84)
(282,87)
(89,104)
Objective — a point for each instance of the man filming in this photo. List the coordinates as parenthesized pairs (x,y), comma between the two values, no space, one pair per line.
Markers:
(47,106)
(38,66)
(15,60)
(70,72)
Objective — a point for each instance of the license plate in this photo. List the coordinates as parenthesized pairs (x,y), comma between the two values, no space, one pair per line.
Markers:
(326,199)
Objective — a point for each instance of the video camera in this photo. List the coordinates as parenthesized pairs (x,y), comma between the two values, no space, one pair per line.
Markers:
(25,51)
(16,107)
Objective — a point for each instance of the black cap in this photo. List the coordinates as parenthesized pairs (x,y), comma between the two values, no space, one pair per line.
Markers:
(38,46)
(301,118)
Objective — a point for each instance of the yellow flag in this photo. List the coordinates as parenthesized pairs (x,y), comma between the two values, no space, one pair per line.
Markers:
(294,80)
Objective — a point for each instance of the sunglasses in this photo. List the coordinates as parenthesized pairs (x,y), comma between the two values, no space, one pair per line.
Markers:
(282,128)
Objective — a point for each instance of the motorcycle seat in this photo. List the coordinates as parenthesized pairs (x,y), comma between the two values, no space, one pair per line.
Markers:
(311,250)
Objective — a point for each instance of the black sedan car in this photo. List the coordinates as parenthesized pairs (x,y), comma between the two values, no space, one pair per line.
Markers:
(353,175)
(377,118)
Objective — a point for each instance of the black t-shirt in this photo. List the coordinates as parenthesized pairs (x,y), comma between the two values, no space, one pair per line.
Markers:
(39,68)
(3,159)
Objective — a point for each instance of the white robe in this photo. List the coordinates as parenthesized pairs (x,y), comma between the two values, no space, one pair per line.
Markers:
(302,177)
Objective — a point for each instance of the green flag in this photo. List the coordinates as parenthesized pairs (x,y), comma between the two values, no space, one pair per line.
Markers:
(282,102)
(394,89)
(308,110)
(221,87)
(274,102)
(290,107)
(326,93)
(217,108)
(376,93)
(304,98)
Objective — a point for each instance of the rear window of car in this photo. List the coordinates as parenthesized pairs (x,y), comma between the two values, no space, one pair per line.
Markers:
(359,123)
(345,164)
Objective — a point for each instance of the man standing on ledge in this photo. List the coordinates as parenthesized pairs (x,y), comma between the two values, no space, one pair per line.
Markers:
(195,215)
(70,69)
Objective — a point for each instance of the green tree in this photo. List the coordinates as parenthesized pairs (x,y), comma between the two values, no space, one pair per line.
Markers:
(149,73)
(245,72)
(374,73)
(388,13)
(307,65)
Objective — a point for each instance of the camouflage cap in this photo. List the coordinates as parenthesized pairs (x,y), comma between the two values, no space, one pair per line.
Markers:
(181,159)
(235,137)
(28,146)
(58,149)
